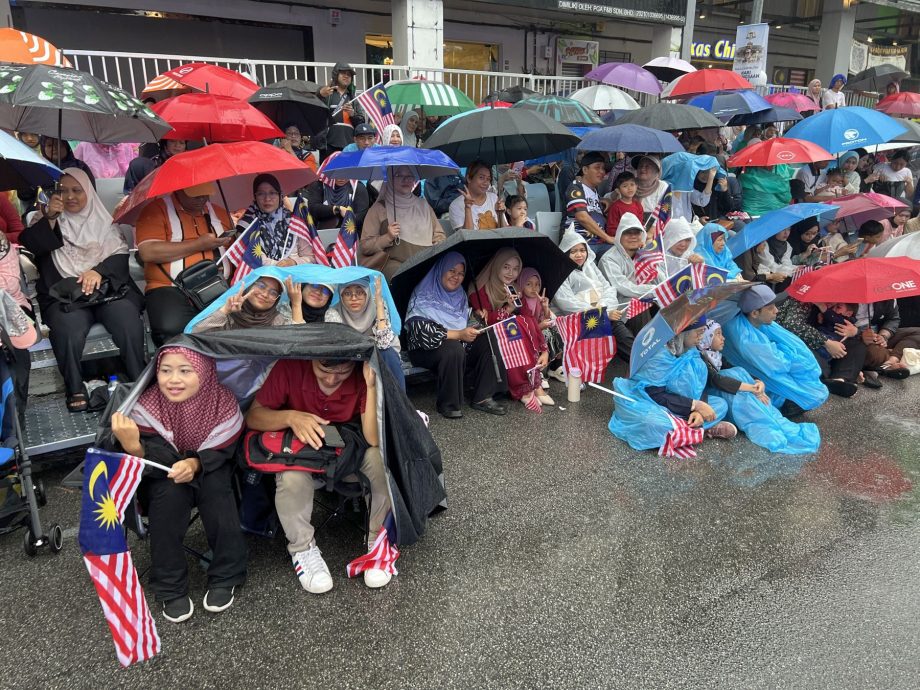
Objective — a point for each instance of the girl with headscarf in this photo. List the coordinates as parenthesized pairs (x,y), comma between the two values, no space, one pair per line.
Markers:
(187,421)
(74,240)
(313,303)
(710,244)
(398,226)
(143,165)
(814,94)
(650,188)
(492,301)
(391,136)
(848,162)
(535,304)
(441,339)
(804,241)
(369,315)
(834,97)
(328,198)
(778,258)
(254,307)
(267,212)
(50,146)
(409,124)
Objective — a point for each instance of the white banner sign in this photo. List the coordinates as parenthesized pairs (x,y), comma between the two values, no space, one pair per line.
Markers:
(751,52)
(865,55)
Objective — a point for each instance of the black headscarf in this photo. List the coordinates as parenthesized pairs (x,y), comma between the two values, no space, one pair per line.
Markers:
(795,235)
(777,248)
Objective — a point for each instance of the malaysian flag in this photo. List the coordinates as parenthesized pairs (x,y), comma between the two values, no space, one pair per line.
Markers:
(246,252)
(109,483)
(662,213)
(636,307)
(376,104)
(679,283)
(346,244)
(802,270)
(680,440)
(589,343)
(302,214)
(383,553)
(513,344)
(647,261)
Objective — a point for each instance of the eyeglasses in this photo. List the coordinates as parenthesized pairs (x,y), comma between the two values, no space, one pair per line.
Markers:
(354,294)
(270,291)
(267,195)
(320,288)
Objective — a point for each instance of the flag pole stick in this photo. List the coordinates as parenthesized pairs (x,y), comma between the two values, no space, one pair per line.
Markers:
(155,465)
(483,330)
(611,392)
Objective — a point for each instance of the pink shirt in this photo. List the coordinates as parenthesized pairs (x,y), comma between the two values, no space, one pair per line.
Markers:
(10,278)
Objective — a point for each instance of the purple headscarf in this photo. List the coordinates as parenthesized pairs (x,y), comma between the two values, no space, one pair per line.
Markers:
(431,301)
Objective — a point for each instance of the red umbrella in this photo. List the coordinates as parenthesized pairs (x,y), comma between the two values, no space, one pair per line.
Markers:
(869,206)
(790,99)
(234,166)
(777,151)
(860,282)
(705,80)
(901,104)
(495,104)
(200,76)
(214,118)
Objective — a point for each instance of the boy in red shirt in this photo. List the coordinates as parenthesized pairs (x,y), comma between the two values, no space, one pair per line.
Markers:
(625,184)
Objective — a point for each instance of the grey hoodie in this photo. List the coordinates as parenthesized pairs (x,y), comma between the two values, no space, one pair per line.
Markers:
(619,267)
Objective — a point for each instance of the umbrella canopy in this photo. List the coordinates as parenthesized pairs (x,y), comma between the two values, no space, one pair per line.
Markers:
(234,165)
(668,68)
(536,250)
(727,104)
(905,245)
(627,76)
(372,163)
(435,97)
(772,114)
(875,79)
(630,139)
(70,104)
(500,135)
(911,136)
(605,97)
(792,100)
(214,119)
(27,49)
(285,105)
(512,94)
(564,110)
(680,169)
(670,117)
(903,103)
(778,151)
(704,81)
(772,222)
(21,167)
(201,77)
(869,206)
(843,129)
(860,282)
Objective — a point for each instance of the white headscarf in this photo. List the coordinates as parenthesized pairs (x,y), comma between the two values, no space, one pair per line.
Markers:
(388,132)
(409,139)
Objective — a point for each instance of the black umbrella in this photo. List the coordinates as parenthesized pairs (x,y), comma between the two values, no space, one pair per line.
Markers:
(284,104)
(774,114)
(875,79)
(670,117)
(500,135)
(478,246)
(512,94)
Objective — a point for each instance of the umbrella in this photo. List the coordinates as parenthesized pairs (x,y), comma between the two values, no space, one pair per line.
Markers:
(869,279)
(843,129)
(704,81)
(630,139)
(727,104)
(27,49)
(477,246)
(494,104)
(772,222)
(500,135)
(875,79)
(234,166)
(670,117)
(903,103)
(778,151)
(626,75)
(911,136)
(668,68)
(202,77)
(512,94)
(564,110)
(70,104)
(869,206)
(792,100)
(214,119)
(604,97)
(285,105)
(675,318)
(372,163)
(905,245)
(680,169)
(21,167)
(772,114)
(435,97)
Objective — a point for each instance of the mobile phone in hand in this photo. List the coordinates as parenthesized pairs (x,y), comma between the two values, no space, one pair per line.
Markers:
(513,296)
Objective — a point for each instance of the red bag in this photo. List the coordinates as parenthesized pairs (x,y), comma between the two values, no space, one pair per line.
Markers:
(280,451)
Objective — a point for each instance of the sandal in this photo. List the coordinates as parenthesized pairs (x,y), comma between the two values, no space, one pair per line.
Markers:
(78,402)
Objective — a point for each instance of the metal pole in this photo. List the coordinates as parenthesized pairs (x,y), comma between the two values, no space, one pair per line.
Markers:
(687,35)
(756,12)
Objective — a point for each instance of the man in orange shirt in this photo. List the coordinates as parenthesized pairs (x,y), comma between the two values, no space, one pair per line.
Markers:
(173,233)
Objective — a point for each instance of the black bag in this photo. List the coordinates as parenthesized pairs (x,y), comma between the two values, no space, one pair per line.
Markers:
(69,294)
(201,283)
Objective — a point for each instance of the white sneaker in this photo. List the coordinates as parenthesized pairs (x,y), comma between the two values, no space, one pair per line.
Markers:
(312,570)
(545,385)
(376,578)
(558,374)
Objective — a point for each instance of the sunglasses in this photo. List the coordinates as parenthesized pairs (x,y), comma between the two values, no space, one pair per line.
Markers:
(270,291)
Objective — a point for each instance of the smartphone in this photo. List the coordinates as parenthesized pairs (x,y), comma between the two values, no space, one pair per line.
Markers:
(332,438)
(513,296)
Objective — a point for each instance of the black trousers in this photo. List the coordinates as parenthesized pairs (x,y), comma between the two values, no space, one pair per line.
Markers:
(454,367)
(169,508)
(169,312)
(68,331)
(624,338)
(847,368)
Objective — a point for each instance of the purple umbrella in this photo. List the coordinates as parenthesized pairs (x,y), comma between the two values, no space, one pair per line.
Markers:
(668,68)
(626,75)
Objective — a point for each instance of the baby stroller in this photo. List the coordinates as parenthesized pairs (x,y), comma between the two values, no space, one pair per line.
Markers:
(20,497)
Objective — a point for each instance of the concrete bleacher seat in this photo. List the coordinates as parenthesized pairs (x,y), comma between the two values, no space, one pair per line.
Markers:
(447,226)
(548,223)
(110,191)
(537,198)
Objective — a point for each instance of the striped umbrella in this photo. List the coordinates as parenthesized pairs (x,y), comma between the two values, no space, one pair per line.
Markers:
(436,98)
(564,110)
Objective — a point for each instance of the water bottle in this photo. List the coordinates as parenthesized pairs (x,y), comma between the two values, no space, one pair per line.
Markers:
(113,384)
(573,382)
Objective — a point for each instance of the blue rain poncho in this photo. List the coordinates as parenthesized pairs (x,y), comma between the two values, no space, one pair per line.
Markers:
(721,260)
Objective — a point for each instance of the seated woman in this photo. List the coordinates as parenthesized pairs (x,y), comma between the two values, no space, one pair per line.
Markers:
(897,224)
(803,239)
(191,423)
(535,304)
(710,244)
(477,207)
(355,309)
(143,165)
(391,136)
(441,339)
(778,259)
(296,144)
(749,407)
(313,304)
(678,242)
(398,226)
(255,307)
(75,239)
(848,161)
(327,200)
(50,146)
(754,266)
(491,300)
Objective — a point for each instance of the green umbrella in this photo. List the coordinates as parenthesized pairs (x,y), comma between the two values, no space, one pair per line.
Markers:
(436,98)
(564,110)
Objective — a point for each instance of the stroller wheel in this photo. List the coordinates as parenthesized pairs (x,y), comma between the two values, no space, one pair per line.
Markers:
(28,544)
(56,538)
(40,494)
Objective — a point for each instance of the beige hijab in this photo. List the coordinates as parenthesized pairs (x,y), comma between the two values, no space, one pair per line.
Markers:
(490,279)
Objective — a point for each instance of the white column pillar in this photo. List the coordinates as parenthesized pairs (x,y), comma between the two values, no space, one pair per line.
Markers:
(418,33)
(687,40)
(835,39)
(666,41)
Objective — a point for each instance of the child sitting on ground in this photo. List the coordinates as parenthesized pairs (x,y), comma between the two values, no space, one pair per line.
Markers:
(625,185)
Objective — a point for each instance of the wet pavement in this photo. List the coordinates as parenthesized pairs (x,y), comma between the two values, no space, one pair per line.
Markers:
(565,560)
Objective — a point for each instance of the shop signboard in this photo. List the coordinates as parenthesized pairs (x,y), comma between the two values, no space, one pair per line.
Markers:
(569,50)
(751,52)
(661,11)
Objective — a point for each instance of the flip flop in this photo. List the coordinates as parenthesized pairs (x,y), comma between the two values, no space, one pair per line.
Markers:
(78,402)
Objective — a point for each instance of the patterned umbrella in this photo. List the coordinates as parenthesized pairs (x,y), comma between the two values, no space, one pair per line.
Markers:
(434,97)
(25,49)
(560,109)
(201,77)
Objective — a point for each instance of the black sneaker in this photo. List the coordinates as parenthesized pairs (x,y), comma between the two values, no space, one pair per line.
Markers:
(218,599)
(178,610)
(490,406)
(789,409)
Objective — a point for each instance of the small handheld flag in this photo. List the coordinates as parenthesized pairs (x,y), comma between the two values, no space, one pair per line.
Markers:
(383,553)
(376,103)
(513,344)
(346,244)
(246,252)
(680,440)
(307,229)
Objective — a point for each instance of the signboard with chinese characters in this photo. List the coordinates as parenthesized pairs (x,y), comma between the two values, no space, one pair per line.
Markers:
(569,50)
(751,52)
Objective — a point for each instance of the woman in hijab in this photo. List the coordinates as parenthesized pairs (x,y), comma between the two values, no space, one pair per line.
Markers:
(492,300)
(328,198)
(778,259)
(189,422)
(391,136)
(398,226)
(76,244)
(710,244)
(50,146)
(409,125)
(803,239)
(848,162)
(368,316)
(814,94)
(650,188)
(441,339)
(255,307)
(313,303)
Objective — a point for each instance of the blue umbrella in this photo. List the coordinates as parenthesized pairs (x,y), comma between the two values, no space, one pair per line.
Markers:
(774,114)
(773,222)
(21,167)
(630,139)
(372,163)
(843,129)
(727,104)
(680,169)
